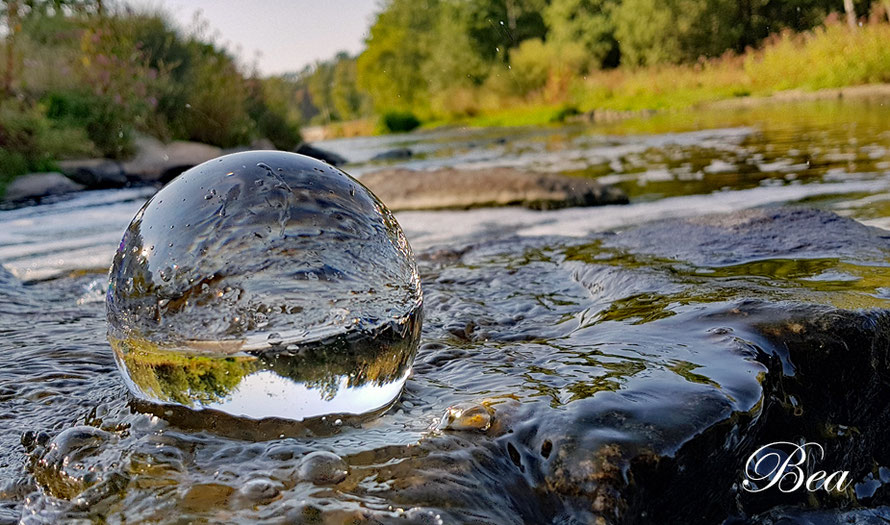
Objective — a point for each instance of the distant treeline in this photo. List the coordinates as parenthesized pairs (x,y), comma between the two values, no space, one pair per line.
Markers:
(438,57)
(81,77)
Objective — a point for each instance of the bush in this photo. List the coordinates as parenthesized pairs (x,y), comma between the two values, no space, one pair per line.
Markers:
(530,65)
(399,121)
(267,106)
(106,123)
(564,112)
(30,142)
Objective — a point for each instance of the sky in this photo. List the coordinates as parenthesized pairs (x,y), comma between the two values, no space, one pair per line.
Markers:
(281,36)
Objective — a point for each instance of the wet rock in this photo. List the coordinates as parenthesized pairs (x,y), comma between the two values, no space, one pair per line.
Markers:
(801,516)
(202,497)
(461,189)
(322,468)
(394,154)
(640,384)
(722,239)
(609,436)
(262,144)
(36,185)
(95,173)
(317,153)
(158,162)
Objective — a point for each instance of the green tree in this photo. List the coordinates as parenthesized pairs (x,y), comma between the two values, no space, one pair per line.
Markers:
(497,26)
(348,101)
(391,67)
(674,31)
(454,58)
(588,23)
(320,83)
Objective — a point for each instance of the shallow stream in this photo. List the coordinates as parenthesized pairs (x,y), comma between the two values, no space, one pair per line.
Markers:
(614,364)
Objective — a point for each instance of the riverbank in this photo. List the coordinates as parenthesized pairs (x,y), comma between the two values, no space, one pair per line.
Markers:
(829,62)
(544,115)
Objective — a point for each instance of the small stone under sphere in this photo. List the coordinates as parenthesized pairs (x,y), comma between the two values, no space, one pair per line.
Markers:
(265,284)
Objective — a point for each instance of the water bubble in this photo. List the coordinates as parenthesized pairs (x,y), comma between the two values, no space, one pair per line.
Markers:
(466,416)
(259,491)
(272,307)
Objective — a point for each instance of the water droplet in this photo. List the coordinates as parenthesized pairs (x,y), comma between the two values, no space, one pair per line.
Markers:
(278,325)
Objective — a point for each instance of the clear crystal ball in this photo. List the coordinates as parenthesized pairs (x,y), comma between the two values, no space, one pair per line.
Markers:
(265,284)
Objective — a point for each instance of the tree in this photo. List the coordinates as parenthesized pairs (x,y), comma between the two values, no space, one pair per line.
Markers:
(673,31)
(319,84)
(390,68)
(11,13)
(348,100)
(454,60)
(587,23)
(497,26)
(851,13)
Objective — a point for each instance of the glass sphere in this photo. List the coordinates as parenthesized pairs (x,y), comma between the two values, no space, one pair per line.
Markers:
(265,284)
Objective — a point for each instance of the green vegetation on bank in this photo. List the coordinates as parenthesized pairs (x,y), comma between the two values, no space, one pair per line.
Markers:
(80,79)
(499,62)
(83,77)
(831,56)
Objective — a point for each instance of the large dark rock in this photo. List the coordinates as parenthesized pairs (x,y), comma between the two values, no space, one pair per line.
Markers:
(394,154)
(158,162)
(647,377)
(95,173)
(317,153)
(36,185)
(740,236)
(461,189)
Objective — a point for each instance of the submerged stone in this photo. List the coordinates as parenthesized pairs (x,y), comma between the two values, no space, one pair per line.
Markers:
(265,284)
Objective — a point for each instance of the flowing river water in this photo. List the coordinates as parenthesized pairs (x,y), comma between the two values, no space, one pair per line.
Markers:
(610,364)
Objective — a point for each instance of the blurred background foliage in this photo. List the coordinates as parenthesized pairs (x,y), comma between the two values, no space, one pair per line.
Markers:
(83,77)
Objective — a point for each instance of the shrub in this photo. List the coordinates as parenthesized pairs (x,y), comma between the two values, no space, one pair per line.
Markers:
(31,142)
(105,122)
(530,65)
(399,121)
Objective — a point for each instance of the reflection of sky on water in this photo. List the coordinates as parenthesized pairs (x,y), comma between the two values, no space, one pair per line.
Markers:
(267,394)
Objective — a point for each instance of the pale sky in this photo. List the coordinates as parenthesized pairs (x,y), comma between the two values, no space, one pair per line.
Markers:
(287,34)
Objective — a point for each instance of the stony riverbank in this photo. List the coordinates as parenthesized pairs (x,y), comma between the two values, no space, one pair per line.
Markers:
(156,163)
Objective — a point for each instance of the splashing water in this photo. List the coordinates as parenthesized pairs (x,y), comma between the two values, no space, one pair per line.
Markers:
(265,284)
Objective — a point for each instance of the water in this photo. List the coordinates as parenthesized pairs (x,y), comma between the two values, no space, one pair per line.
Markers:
(265,284)
(565,373)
